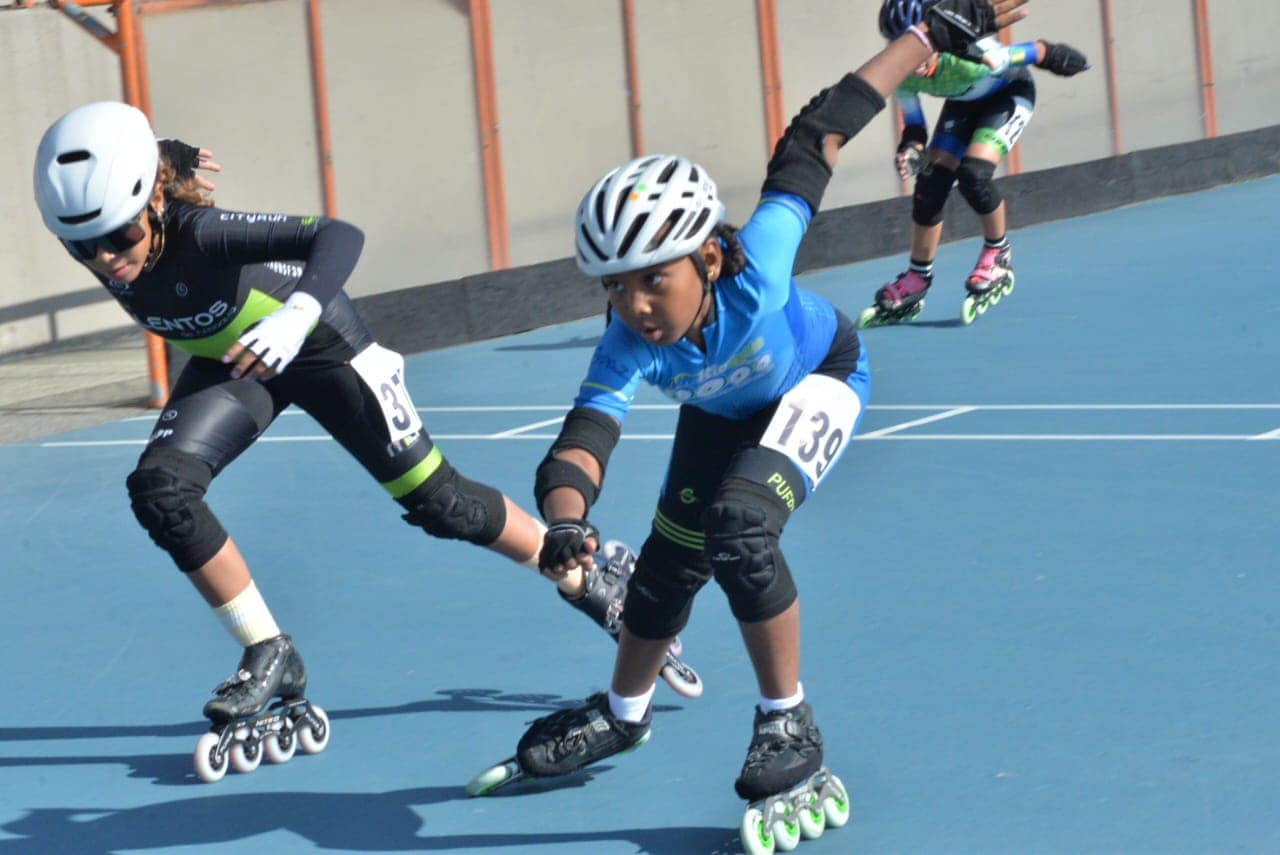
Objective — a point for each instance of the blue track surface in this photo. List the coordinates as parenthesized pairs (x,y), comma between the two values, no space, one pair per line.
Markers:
(1045,624)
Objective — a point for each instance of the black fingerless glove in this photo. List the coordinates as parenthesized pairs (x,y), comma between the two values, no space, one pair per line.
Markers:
(954,25)
(182,157)
(565,539)
(1063,60)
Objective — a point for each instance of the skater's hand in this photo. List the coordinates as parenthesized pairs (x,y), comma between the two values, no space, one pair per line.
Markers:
(186,159)
(954,25)
(909,160)
(267,347)
(1063,60)
(568,545)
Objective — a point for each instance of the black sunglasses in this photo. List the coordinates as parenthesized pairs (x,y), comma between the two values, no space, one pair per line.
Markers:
(124,238)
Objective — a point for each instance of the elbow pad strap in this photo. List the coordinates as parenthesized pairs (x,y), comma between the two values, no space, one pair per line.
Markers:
(592,431)
(554,472)
(798,166)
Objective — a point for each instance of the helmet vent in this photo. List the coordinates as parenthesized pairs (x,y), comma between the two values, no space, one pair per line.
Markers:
(632,233)
(73,156)
(586,238)
(137,188)
(666,231)
(666,173)
(697,223)
(622,200)
(81,218)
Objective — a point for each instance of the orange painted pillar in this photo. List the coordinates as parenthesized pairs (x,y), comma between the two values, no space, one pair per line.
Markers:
(487,118)
(1205,55)
(770,72)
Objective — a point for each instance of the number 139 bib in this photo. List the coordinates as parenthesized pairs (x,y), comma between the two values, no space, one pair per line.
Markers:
(813,424)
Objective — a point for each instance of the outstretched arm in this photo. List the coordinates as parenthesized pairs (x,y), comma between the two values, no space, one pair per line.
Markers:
(803,160)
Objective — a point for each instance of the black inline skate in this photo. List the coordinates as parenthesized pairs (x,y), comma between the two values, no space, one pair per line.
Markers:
(791,794)
(564,742)
(606,591)
(898,301)
(989,281)
(244,728)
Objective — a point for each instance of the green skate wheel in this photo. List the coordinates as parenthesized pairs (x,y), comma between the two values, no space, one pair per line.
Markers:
(1008,285)
(813,819)
(969,310)
(786,833)
(915,311)
(867,317)
(756,839)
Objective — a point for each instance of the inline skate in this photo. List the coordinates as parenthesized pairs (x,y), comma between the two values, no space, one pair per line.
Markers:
(990,280)
(563,742)
(603,602)
(790,793)
(898,301)
(247,726)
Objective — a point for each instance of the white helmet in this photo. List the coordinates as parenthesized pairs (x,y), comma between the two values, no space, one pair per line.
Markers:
(95,169)
(621,217)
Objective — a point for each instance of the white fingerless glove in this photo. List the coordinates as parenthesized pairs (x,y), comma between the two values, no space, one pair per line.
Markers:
(277,338)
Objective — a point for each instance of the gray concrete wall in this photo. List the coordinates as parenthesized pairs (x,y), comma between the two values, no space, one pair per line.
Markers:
(405,141)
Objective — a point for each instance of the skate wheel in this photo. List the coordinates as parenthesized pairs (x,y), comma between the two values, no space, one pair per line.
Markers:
(915,312)
(836,806)
(786,833)
(812,818)
(280,747)
(996,294)
(756,839)
(492,778)
(682,679)
(676,647)
(210,766)
(310,740)
(867,317)
(969,310)
(246,756)
(1008,285)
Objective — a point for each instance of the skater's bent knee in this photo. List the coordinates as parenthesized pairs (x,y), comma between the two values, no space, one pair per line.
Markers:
(976,180)
(166,493)
(743,526)
(450,506)
(933,185)
(660,593)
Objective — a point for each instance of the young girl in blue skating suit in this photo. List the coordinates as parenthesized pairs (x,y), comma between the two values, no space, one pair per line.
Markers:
(772,383)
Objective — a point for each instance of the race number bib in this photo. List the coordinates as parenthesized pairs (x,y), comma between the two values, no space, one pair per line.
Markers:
(813,424)
(1009,132)
(382,371)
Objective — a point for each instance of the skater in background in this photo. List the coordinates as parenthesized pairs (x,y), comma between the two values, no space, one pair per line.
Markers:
(257,300)
(988,105)
(772,381)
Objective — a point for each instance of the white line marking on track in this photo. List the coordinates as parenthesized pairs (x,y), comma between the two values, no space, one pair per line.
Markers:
(937,417)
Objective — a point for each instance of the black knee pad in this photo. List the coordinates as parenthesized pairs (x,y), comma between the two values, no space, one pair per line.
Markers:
(166,492)
(743,526)
(455,508)
(976,178)
(933,186)
(660,593)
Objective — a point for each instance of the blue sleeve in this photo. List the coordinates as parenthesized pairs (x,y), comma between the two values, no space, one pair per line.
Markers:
(614,374)
(912,112)
(770,240)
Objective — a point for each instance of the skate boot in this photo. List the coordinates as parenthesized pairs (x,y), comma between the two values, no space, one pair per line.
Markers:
(244,728)
(606,591)
(898,301)
(791,793)
(563,742)
(991,279)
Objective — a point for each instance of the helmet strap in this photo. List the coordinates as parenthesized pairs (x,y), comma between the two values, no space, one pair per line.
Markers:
(157,239)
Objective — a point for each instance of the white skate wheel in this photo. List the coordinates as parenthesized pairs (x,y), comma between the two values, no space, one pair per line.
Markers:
(686,683)
(756,839)
(209,767)
(968,310)
(280,747)
(786,834)
(242,760)
(812,818)
(492,778)
(308,740)
(836,807)
(866,316)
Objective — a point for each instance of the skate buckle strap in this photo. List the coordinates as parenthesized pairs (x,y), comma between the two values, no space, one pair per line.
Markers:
(241,676)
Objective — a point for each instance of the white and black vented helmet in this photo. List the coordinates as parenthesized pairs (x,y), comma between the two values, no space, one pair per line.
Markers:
(620,222)
(95,169)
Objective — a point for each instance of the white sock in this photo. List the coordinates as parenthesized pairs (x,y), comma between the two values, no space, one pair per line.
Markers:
(629,709)
(532,563)
(246,618)
(768,705)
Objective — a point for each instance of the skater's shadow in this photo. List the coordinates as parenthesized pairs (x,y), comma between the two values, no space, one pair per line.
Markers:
(365,822)
(176,769)
(583,341)
(948,323)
